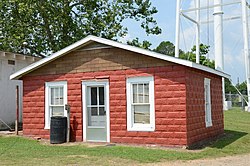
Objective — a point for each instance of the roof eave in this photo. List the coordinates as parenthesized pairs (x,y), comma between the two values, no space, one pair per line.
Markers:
(91,38)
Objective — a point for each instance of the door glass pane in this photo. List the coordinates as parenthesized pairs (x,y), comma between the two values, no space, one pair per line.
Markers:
(134,93)
(94,119)
(57,111)
(93,95)
(102,111)
(101,95)
(94,111)
(141,114)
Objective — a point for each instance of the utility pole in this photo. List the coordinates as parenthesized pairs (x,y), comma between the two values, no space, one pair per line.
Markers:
(246,47)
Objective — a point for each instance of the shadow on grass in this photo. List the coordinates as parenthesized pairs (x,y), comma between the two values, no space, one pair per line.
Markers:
(219,142)
(227,138)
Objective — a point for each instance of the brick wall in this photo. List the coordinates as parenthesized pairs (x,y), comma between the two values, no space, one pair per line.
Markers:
(196,128)
(170,101)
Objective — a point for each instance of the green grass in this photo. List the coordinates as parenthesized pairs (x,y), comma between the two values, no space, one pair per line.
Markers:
(23,151)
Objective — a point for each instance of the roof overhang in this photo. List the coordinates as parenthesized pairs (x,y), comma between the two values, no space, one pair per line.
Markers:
(17,56)
(89,39)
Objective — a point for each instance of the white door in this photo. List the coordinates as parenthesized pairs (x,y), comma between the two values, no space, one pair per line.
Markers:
(95,111)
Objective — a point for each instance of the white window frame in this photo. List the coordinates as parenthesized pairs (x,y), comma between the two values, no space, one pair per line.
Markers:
(130,118)
(208,112)
(48,85)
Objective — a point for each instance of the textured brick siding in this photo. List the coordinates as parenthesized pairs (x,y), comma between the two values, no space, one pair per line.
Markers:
(99,60)
(33,104)
(170,105)
(197,130)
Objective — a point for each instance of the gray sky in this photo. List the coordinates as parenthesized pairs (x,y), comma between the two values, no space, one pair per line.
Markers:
(232,32)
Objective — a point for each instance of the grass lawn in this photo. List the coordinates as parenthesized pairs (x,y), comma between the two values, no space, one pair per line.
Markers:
(22,151)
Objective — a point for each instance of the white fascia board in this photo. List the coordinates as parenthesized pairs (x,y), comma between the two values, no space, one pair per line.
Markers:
(210,70)
(46,60)
(91,38)
(161,56)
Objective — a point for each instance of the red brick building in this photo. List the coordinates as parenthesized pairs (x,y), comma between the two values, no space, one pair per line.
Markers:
(122,94)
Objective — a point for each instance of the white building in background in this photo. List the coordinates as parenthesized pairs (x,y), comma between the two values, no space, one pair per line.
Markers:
(9,64)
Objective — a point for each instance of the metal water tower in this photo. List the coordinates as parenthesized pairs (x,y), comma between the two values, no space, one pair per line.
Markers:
(218,34)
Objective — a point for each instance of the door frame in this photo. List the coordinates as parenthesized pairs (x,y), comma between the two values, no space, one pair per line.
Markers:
(85,84)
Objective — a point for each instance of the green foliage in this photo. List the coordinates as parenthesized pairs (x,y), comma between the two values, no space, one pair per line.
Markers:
(191,56)
(48,26)
(135,42)
(204,49)
(229,88)
(167,48)
(203,59)
(242,87)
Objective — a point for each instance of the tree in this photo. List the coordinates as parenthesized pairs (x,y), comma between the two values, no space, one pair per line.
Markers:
(135,42)
(242,87)
(48,26)
(191,55)
(167,48)
(204,49)
(229,88)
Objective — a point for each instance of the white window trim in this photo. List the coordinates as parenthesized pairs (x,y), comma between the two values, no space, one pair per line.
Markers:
(47,112)
(208,112)
(140,127)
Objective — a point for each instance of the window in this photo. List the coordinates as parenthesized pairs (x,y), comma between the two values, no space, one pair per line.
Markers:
(11,62)
(140,104)
(207,95)
(55,100)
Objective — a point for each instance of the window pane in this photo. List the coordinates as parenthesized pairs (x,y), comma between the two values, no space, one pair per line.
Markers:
(56,96)
(140,93)
(101,95)
(102,111)
(94,96)
(141,114)
(206,93)
(134,93)
(57,111)
(61,96)
(52,96)
(146,93)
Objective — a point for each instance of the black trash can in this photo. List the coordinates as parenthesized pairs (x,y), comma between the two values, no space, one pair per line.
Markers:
(58,129)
